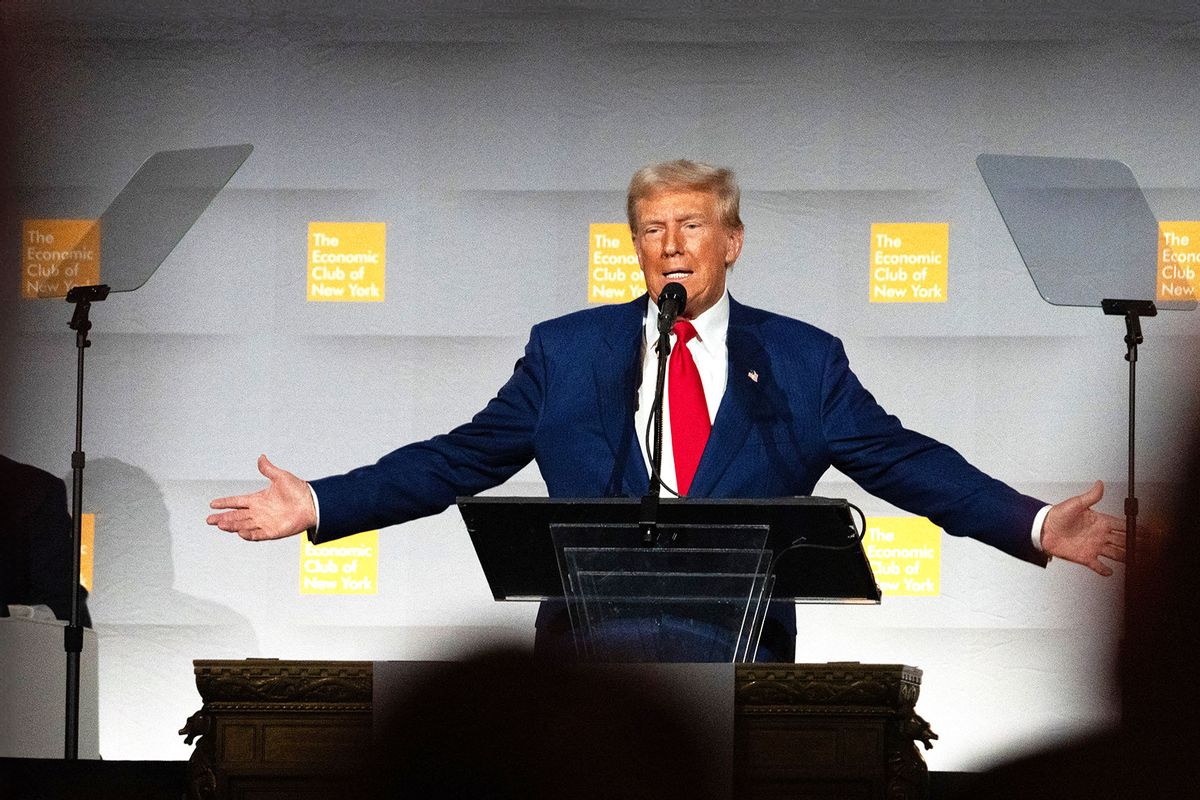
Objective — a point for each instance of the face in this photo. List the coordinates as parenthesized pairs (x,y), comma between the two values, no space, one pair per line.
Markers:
(680,238)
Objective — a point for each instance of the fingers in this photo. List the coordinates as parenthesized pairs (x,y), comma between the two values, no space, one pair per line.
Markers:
(269,470)
(237,501)
(1100,568)
(232,521)
(243,524)
(1113,552)
(1092,495)
(1115,523)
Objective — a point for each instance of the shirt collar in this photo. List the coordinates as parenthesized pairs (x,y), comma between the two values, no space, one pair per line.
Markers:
(711,326)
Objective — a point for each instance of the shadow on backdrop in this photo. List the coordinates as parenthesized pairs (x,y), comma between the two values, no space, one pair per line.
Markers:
(36,540)
(149,631)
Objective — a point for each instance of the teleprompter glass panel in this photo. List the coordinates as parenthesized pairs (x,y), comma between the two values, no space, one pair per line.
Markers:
(1082,227)
(161,202)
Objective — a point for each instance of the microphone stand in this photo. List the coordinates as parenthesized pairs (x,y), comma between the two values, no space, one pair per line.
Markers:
(672,300)
(648,520)
(82,297)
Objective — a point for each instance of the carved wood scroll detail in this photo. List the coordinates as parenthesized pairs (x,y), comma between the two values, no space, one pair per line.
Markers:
(301,684)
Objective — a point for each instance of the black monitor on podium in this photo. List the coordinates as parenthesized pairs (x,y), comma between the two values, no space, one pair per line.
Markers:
(718,562)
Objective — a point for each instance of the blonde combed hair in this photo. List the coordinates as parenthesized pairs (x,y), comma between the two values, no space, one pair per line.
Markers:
(685,174)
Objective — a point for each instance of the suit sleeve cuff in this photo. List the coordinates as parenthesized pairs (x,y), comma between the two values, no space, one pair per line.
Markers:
(1036,532)
(312,532)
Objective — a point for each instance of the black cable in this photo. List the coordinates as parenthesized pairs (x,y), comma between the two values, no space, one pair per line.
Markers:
(656,447)
(654,474)
(801,544)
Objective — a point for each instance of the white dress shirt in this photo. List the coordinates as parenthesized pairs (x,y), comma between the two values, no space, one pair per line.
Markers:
(712,362)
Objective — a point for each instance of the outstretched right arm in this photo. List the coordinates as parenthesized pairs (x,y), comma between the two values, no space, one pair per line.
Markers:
(417,480)
(424,478)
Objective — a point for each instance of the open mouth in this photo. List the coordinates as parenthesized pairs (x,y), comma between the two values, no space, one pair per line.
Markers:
(677,275)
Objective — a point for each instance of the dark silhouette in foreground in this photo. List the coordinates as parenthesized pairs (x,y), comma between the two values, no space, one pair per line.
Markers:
(1152,752)
(503,726)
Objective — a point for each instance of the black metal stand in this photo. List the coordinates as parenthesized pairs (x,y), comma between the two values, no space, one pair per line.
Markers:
(649,516)
(1133,311)
(82,297)
(673,300)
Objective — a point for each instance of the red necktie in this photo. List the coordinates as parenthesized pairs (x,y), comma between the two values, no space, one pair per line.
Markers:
(690,424)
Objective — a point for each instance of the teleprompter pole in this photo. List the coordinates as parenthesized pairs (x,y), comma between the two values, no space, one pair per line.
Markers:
(1132,311)
(82,297)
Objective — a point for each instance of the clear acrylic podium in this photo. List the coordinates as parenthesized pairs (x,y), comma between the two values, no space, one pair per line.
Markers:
(720,583)
(709,576)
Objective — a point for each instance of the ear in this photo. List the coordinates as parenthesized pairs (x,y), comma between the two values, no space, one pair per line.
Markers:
(733,245)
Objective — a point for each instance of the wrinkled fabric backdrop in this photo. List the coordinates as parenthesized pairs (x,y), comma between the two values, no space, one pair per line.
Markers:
(488,139)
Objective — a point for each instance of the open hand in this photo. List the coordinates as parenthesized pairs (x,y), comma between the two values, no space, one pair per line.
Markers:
(1072,530)
(284,508)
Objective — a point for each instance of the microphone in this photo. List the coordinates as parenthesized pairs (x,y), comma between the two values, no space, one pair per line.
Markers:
(671,302)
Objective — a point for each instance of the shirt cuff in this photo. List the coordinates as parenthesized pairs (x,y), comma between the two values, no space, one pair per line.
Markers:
(1036,533)
(317,512)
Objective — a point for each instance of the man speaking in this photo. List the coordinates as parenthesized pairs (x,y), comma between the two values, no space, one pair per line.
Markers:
(758,405)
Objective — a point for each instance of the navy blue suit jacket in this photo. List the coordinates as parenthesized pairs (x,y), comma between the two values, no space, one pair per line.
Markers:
(570,405)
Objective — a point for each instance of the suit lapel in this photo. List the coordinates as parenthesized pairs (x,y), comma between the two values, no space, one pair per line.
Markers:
(740,405)
(617,371)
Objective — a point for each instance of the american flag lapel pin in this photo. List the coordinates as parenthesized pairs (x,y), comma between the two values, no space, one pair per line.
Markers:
(753,375)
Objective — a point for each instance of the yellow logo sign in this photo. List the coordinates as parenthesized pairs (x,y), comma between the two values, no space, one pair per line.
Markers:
(57,254)
(1178,260)
(613,272)
(346,261)
(909,262)
(905,555)
(87,531)
(347,566)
